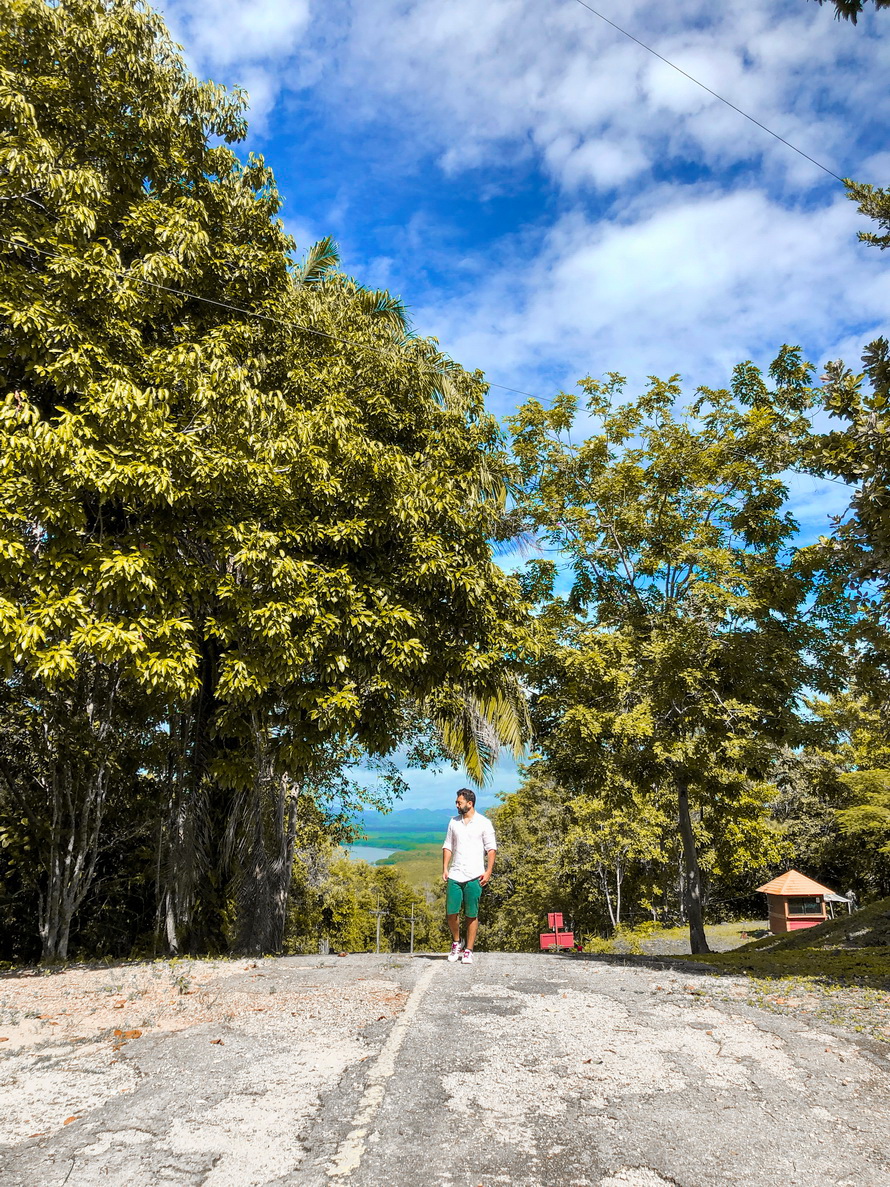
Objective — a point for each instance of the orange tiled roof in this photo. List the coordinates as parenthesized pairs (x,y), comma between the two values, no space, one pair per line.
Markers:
(793,882)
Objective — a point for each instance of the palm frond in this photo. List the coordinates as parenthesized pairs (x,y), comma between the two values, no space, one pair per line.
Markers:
(383,306)
(320,260)
(474,729)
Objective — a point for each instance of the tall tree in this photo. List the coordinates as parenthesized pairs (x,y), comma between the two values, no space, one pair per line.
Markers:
(690,630)
(248,496)
(112,194)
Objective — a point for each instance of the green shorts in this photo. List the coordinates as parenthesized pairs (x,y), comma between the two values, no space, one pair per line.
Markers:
(463,894)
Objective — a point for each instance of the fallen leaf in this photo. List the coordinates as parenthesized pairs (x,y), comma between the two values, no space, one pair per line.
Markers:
(37,1135)
(68,1120)
(218,1042)
(4,1038)
(382,1016)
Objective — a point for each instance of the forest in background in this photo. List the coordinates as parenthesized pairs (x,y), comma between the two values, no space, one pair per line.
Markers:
(247,550)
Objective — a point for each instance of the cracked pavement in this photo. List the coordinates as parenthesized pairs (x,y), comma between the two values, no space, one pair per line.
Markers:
(524,1070)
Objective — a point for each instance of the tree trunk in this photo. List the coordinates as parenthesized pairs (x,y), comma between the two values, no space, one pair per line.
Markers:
(192,873)
(604,878)
(267,855)
(75,740)
(697,939)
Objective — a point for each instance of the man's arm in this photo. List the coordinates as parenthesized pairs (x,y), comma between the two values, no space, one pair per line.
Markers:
(491,846)
(489,866)
(446,852)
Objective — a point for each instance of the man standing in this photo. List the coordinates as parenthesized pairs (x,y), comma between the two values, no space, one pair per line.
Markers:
(470,847)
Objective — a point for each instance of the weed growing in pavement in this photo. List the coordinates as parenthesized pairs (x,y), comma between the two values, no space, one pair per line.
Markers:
(862,1009)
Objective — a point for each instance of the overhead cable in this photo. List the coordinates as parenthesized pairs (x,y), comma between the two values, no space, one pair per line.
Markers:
(704,87)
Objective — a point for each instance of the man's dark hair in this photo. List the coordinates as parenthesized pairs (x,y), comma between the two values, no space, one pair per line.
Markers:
(468,794)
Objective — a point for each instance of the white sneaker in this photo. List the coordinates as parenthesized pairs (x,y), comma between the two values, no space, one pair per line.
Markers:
(456,949)
(466,957)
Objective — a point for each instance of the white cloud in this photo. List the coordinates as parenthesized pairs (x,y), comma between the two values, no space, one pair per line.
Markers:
(479,83)
(814,502)
(482,84)
(681,280)
(243,42)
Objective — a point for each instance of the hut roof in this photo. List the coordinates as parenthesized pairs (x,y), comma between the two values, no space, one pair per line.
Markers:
(793,882)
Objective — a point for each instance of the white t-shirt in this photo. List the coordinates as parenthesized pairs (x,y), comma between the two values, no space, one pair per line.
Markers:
(469,841)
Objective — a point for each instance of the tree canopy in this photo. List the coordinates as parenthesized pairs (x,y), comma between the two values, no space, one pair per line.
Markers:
(692,624)
(235,492)
(851,10)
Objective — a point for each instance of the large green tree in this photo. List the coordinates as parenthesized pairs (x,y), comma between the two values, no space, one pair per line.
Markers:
(246,497)
(692,624)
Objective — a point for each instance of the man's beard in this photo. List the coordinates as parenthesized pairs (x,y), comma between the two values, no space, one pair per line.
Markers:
(464,810)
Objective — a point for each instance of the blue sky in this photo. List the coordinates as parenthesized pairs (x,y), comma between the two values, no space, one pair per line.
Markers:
(552,201)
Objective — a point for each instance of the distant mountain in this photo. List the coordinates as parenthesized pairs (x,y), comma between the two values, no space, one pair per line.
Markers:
(406,820)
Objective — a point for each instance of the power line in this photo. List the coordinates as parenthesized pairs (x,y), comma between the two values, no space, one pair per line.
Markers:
(698,83)
(384,351)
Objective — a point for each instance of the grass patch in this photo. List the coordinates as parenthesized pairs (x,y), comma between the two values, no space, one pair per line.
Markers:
(867,928)
(421,866)
(864,966)
(652,939)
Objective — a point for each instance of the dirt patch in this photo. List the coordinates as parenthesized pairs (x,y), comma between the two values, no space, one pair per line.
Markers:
(80,1004)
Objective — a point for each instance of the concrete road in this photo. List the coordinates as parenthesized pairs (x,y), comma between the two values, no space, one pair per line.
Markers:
(528,1071)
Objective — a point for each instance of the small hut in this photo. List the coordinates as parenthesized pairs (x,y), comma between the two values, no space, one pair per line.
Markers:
(795,901)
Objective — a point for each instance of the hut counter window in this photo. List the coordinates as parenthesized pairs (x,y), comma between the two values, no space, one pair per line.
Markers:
(805,906)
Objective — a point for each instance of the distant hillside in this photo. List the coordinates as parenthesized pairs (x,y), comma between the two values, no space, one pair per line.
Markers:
(406,820)
(866,928)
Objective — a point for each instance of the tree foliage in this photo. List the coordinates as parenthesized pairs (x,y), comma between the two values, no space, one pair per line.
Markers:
(851,10)
(234,492)
(692,624)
